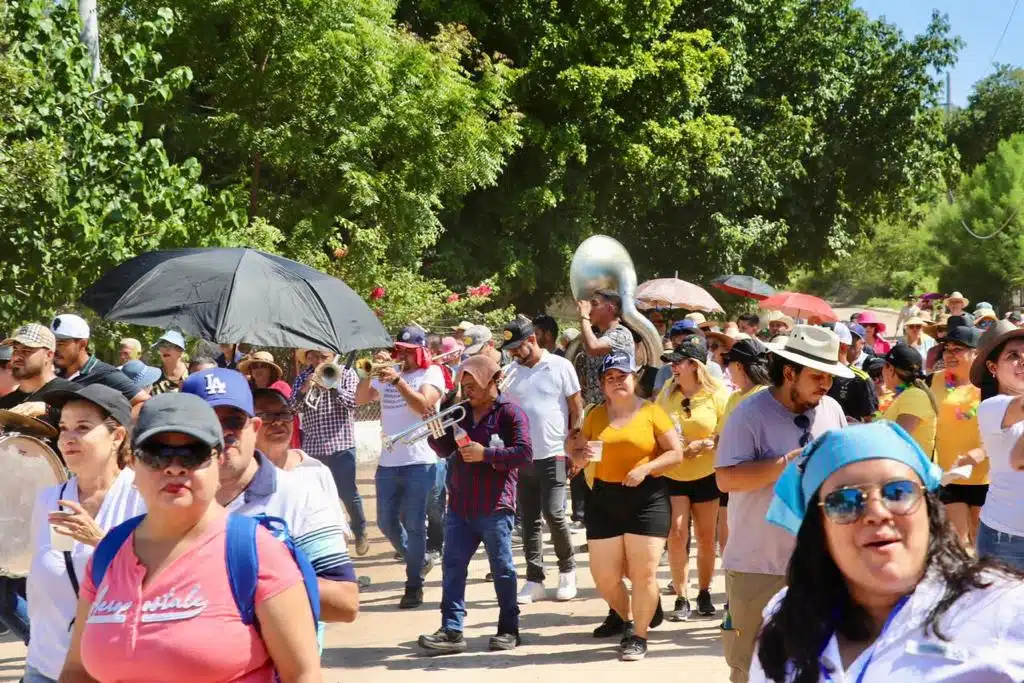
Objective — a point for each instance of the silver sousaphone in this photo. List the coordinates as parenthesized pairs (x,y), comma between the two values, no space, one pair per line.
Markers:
(28,465)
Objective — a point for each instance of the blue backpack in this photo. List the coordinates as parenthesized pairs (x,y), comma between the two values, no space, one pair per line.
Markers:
(243,562)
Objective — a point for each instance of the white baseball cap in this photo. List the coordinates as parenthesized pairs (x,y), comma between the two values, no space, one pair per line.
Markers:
(69,326)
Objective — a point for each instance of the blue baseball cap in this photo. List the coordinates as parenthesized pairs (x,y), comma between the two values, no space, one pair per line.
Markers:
(683,327)
(411,337)
(221,387)
(857,330)
(619,360)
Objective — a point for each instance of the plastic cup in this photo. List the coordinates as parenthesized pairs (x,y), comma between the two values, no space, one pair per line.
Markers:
(598,448)
(60,542)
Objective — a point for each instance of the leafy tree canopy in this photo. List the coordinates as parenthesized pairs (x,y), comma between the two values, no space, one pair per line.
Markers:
(995,111)
(710,136)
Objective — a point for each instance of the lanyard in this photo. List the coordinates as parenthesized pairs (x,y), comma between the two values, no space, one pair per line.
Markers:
(871,652)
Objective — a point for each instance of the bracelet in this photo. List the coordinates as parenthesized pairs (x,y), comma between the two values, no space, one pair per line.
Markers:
(586,320)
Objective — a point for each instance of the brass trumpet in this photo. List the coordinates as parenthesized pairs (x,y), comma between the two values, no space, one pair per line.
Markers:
(325,377)
(434,425)
(368,368)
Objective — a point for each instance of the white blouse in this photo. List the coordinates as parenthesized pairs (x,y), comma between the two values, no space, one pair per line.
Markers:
(986,641)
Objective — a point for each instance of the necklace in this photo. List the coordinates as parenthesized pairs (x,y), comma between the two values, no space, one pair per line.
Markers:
(961,414)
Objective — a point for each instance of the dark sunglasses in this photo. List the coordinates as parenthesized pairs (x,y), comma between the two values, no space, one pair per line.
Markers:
(846,505)
(279,416)
(803,423)
(233,423)
(159,457)
(686,407)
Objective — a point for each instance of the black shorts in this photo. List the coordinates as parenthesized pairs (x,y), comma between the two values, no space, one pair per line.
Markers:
(971,494)
(702,490)
(614,510)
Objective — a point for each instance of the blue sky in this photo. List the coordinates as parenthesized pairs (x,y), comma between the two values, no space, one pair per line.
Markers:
(978,22)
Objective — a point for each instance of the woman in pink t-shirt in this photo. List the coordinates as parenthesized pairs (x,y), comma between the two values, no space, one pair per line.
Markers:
(164,610)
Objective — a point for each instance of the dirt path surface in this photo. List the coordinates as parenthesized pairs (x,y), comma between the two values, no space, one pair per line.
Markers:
(380,647)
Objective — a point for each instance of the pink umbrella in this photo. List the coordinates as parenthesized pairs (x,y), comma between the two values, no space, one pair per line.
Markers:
(797,305)
(671,292)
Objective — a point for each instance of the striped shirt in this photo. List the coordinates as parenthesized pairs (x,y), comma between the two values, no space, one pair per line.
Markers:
(479,489)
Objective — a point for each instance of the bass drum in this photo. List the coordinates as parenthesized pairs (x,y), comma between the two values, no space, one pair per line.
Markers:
(577,355)
(28,467)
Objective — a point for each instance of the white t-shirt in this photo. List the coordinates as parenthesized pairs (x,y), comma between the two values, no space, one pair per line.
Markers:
(1004,505)
(51,599)
(542,392)
(985,631)
(319,475)
(396,415)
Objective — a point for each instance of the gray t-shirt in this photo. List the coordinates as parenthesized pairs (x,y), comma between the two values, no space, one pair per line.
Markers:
(621,339)
(761,428)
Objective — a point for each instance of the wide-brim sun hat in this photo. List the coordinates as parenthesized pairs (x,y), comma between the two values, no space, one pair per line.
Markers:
(1002,331)
(871,318)
(813,347)
(264,357)
(957,296)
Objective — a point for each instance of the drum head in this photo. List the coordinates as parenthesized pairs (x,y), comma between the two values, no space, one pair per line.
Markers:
(28,466)
(13,422)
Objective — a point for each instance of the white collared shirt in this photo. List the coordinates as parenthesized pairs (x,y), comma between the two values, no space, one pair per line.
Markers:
(986,640)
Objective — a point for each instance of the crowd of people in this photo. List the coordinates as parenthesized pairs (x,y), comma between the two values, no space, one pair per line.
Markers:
(863,491)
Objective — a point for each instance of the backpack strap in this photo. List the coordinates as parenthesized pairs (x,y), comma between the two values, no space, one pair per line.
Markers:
(107,549)
(243,563)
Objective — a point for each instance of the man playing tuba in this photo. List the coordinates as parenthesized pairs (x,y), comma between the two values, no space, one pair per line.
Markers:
(602,332)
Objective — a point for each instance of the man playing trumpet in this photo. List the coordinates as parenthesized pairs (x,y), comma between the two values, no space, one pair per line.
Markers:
(406,472)
(329,434)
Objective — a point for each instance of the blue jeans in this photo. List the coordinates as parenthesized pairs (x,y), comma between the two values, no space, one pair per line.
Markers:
(1000,546)
(343,468)
(402,495)
(435,508)
(13,607)
(462,538)
(33,676)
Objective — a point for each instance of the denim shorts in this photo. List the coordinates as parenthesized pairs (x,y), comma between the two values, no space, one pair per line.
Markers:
(33,676)
(1000,546)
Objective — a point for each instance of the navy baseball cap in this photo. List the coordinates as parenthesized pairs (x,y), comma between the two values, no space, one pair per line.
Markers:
(179,413)
(221,387)
(411,338)
(857,330)
(619,360)
(683,327)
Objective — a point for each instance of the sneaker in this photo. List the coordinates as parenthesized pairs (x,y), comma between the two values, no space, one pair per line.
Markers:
(442,641)
(566,586)
(634,649)
(432,559)
(489,577)
(503,641)
(681,611)
(362,546)
(612,625)
(659,616)
(413,598)
(704,606)
(398,557)
(578,525)
(363,582)
(627,632)
(669,589)
(531,592)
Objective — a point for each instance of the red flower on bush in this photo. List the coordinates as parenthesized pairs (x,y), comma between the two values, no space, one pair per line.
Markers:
(377,293)
(452,298)
(480,291)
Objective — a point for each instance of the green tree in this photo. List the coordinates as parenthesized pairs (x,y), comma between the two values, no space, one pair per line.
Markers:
(995,111)
(990,262)
(82,187)
(345,131)
(708,136)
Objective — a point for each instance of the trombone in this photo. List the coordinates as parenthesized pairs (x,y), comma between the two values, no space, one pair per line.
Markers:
(508,373)
(434,425)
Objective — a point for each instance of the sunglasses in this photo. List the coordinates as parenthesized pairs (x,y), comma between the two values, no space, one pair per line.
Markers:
(281,416)
(686,407)
(234,423)
(159,457)
(846,505)
(803,423)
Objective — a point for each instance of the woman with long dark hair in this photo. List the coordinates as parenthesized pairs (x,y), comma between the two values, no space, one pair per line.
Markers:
(913,405)
(998,370)
(879,587)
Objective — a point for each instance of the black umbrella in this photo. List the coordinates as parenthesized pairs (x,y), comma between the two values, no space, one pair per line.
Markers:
(237,295)
(743,285)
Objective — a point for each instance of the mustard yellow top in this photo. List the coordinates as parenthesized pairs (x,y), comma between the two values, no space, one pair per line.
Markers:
(914,401)
(625,447)
(706,411)
(957,430)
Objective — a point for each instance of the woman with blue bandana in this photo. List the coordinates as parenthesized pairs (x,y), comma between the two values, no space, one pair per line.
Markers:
(879,587)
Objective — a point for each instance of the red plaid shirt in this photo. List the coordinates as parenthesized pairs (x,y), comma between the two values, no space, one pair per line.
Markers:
(329,428)
(478,489)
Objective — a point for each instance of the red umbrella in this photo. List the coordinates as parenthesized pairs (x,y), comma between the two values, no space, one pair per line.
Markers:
(797,305)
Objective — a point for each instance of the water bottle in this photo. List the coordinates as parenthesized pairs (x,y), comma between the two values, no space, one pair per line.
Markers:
(496,441)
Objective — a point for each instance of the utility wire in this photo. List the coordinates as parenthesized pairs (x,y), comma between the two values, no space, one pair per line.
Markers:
(1005,29)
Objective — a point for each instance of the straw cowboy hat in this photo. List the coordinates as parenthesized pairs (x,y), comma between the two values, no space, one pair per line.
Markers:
(264,357)
(957,296)
(777,317)
(937,328)
(813,347)
(699,320)
(727,338)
